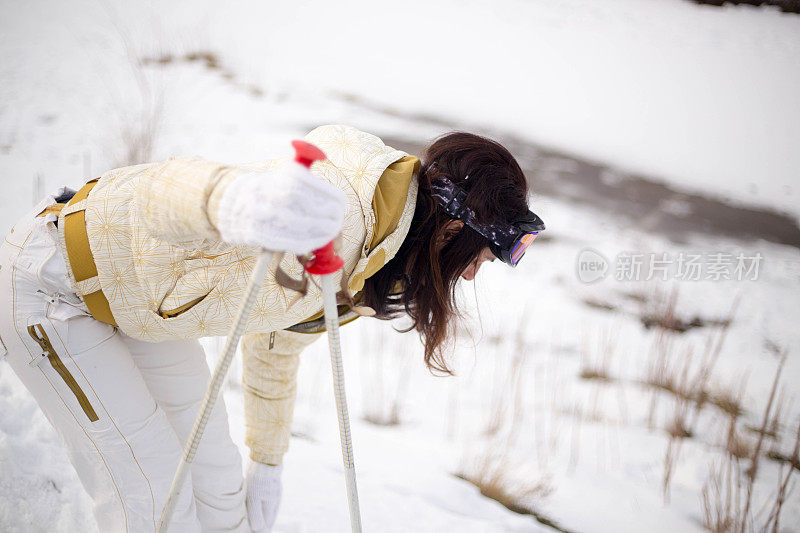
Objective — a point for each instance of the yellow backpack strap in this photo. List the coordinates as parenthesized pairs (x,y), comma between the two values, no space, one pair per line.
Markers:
(80,257)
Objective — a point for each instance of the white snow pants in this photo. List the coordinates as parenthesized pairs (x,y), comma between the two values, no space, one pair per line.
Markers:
(122,407)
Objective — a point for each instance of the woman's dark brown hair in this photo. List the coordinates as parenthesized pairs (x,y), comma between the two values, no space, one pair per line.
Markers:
(421,279)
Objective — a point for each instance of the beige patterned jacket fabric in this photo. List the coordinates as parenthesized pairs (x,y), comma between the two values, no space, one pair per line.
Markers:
(158,253)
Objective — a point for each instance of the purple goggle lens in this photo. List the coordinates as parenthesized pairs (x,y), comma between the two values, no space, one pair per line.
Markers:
(521,245)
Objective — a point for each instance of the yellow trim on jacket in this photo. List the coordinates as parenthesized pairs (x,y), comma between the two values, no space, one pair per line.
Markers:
(390,197)
(388,204)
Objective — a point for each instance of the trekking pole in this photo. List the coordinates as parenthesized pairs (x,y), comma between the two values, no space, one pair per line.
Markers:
(332,326)
(305,154)
(326,263)
(214,387)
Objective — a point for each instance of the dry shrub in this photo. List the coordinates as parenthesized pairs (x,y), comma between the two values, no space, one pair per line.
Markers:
(752,471)
(727,400)
(138,121)
(590,373)
(729,491)
(517,485)
(38,188)
(140,131)
(723,497)
(678,429)
(783,485)
(596,364)
(554,391)
(575,438)
(638,297)
(507,389)
(599,304)
(666,372)
(685,379)
(660,312)
(713,347)
(670,461)
(497,478)
(736,444)
(385,374)
(773,428)
(780,457)
(660,365)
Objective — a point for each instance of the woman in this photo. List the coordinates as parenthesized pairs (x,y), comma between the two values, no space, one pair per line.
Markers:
(105,292)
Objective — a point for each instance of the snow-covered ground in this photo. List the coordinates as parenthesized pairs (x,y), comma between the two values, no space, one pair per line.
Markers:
(701,97)
(696,95)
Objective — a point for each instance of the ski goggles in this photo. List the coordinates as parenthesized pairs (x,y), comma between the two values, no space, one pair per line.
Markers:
(508,241)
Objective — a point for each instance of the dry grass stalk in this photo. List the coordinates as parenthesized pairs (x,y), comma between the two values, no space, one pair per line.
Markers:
(498,404)
(451,415)
(773,428)
(688,382)
(678,430)
(659,372)
(667,373)
(722,497)
(599,368)
(714,344)
(599,304)
(509,385)
(140,122)
(677,427)
(596,364)
(727,401)
(783,486)
(661,314)
(384,380)
(494,476)
(729,492)
(139,134)
(752,471)
(736,445)
(670,461)
(38,188)
(518,414)
(555,390)
(575,441)
(780,457)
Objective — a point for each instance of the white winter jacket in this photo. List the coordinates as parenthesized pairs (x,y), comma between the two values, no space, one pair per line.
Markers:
(145,254)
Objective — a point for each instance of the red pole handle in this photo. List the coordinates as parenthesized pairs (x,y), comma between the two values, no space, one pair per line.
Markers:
(325,260)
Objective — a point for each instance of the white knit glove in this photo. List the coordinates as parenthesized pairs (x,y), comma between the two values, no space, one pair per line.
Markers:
(286,209)
(264,490)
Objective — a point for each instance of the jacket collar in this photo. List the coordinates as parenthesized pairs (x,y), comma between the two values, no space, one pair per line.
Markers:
(361,159)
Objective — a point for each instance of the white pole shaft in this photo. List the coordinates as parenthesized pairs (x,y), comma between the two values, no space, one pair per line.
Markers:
(214,386)
(332,326)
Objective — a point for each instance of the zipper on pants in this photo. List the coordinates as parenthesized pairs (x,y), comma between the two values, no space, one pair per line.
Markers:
(38,334)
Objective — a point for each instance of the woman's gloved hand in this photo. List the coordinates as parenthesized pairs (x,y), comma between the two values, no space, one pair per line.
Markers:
(285,209)
(264,490)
